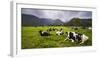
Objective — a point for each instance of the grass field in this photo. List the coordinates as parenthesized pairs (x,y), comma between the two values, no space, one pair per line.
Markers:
(32,39)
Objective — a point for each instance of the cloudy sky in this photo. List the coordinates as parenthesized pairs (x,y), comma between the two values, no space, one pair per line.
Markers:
(63,15)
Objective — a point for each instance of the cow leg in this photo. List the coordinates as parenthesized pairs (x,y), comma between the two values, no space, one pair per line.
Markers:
(66,38)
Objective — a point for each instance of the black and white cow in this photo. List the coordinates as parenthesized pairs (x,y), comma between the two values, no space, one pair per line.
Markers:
(73,36)
(44,33)
(60,32)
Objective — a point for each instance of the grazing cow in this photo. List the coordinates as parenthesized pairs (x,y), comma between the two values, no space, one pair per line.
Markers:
(52,29)
(44,33)
(61,32)
(73,36)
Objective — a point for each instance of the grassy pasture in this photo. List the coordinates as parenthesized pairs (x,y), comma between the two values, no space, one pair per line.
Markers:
(31,38)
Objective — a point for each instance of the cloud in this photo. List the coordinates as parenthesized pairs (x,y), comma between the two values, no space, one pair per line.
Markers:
(63,15)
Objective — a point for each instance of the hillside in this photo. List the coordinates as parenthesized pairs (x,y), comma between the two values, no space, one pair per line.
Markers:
(31,20)
(79,22)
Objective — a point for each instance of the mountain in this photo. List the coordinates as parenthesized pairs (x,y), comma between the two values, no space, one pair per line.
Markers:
(79,22)
(58,22)
(31,20)
(86,22)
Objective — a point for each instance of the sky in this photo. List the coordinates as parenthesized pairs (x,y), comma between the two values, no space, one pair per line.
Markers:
(63,15)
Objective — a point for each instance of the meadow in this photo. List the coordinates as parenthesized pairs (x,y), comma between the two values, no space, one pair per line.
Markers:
(31,39)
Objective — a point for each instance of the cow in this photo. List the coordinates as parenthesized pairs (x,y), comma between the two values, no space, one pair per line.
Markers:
(60,32)
(44,33)
(74,36)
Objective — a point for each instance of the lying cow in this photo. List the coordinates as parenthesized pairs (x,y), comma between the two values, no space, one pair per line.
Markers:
(73,36)
(44,33)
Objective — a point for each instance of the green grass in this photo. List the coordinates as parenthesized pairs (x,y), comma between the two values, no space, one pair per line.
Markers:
(32,39)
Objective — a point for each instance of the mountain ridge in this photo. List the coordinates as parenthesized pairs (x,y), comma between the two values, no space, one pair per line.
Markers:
(31,20)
